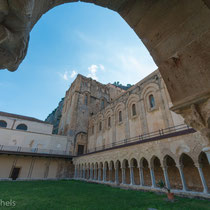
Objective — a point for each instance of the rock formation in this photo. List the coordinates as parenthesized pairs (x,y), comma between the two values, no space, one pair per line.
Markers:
(55,116)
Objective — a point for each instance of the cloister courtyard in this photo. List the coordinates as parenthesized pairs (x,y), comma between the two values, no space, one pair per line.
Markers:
(71,194)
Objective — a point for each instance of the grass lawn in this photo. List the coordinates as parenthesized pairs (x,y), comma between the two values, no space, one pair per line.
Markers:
(61,195)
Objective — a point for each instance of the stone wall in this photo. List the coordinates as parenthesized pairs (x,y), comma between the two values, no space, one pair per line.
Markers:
(36,167)
(84,98)
(106,128)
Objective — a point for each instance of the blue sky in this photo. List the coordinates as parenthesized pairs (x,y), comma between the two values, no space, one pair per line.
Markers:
(70,39)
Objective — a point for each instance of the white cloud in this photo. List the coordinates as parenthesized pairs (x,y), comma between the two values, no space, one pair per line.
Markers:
(67,75)
(102,67)
(73,74)
(92,71)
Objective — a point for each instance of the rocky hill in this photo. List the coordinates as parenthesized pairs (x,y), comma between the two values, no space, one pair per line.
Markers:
(55,116)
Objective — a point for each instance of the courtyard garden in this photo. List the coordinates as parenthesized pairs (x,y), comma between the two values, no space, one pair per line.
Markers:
(63,195)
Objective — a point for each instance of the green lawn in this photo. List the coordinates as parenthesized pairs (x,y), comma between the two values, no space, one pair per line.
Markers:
(49,195)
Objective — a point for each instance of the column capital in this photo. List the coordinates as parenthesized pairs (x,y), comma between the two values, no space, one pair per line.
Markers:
(180,166)
(197,114)
(164,167)
(198,165)
(151,167)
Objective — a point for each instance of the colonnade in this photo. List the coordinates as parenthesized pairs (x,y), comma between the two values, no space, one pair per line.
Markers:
(186,175)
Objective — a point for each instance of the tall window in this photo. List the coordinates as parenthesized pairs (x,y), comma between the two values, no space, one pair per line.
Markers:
(102,104)
(86,100)
(134,109)
(152,101)
(22,127)
(3,124)
(93,129)
(120,116)
(109,122)
(100,126)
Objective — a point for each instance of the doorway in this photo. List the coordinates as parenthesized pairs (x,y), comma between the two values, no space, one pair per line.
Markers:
(15,173)
(80,150)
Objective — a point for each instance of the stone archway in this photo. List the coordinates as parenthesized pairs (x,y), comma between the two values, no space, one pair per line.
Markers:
(191,173)
(158,172)
(173,173)
(96,172)
(125,172)
(134,165)
(111,172)
(88,171)
(92,171)
(106,167)
(146,172)
(179,45)
(119,168)
(100,172)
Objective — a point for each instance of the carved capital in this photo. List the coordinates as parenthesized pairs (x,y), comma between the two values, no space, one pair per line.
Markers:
(197,115)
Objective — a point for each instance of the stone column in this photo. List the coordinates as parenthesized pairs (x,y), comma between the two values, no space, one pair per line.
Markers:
(104,174)
(141,175)
(95,173)
(184,185)
(91,173)
(83,173)
(116,176)
(75,172)
(87,174)
(123,176)
(165,171)
(205,187)
(131,176)
(80,176)
(99,174)
(152,177)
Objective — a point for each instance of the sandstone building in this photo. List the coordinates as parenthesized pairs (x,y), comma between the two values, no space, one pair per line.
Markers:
(106,134)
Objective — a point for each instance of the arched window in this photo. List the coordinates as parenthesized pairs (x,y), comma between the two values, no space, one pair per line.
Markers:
(3,124)
(100,126)
(109,122)
(22,127)
(152,101)
(102,104)
(86,100)
(120,116)
(134,109)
